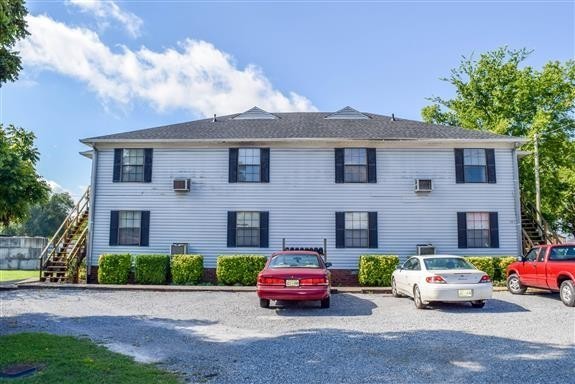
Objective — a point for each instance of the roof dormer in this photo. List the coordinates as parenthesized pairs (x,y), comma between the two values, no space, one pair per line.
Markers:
(347,113)
(255,114)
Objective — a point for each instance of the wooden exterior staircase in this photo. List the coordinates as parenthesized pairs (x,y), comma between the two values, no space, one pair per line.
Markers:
(60,260)
(536,232)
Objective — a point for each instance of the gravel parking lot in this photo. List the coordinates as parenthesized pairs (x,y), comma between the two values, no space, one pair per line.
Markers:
(220,337)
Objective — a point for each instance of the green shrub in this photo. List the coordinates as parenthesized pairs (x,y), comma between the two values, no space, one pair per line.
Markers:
(114,268)
(82,272)
(501,264)
(187,269)
(376,270)
(239,269)
(483,263)
(152,269)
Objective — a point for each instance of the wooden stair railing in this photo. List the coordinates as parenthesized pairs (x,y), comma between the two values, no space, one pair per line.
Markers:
(67,247)
(536,232)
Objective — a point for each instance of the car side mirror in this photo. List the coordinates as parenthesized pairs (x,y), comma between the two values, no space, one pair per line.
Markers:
(398,268)
(521,258)
(328,265)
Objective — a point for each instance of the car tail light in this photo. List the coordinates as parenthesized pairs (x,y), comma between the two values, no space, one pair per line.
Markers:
(436,279)
(485,279)
(270,281)
(314,281)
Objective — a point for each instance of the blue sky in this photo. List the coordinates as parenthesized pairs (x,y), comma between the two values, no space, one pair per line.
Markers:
(94,67)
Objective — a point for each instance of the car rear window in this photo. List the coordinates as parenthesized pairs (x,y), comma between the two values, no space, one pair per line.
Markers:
(562,253)
(440,263)
(295,261)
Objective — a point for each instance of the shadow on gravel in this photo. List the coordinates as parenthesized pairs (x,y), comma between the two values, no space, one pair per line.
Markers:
(208,352)
(492,306)
(342,304)
(554,296)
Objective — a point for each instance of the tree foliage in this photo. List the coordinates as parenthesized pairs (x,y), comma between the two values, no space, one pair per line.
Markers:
(12,29)
(20,186)
(497,93)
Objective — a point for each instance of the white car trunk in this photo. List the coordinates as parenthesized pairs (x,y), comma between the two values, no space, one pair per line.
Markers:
(460,276)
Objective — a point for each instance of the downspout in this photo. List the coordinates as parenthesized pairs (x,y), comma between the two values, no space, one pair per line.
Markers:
(92,212)
(517,194)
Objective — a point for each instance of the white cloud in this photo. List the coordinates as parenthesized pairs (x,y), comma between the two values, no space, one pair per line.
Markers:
(195,76)
(106,10)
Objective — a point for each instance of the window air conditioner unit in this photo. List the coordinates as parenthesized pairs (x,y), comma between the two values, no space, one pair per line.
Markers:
(179,249)
(425,249)
(423,185)
(182,185)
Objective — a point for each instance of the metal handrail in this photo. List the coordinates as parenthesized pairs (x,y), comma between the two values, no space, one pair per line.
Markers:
(72,219)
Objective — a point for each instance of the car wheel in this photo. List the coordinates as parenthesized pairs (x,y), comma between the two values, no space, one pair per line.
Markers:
(394,291)
(264,303)
(417,299)
(325,302)
(478,304)
(567,293)
(514,285)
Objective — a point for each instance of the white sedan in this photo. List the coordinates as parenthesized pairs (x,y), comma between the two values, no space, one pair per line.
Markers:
(441,278)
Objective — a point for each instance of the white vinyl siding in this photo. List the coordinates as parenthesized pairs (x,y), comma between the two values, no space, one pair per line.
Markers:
(302,200)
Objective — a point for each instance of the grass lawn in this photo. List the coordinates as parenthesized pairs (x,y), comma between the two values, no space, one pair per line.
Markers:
(70,360)
(17,275)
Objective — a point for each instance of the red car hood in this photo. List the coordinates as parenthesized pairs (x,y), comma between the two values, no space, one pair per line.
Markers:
(294,273)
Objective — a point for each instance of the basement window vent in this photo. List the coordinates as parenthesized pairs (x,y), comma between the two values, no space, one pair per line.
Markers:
(179,249)
(181,185)
(423,185)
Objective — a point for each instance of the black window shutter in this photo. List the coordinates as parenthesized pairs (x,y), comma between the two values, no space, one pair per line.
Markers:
(371,166)
(114,223)
(340,229)
(117,164)
(231,229)
(461,230)
(490,160)
(339,165)
(494,229)
(148,153)
(233,165)
(265,165)
(145,229)
(264,229)
(373,235)
(459,174)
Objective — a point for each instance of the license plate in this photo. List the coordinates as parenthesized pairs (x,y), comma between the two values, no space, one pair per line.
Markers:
(465,292)
(292,283)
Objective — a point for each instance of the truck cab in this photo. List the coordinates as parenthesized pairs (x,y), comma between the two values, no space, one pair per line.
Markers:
(548,266)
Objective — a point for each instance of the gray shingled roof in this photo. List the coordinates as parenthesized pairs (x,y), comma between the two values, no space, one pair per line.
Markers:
(302,125)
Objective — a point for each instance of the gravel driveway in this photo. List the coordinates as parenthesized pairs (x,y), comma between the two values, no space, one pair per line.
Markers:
(213,337)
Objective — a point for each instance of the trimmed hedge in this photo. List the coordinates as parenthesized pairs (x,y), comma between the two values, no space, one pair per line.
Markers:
(187,269)
(239,269)
(114,268)
(501,264)
(152,269)
(376,270)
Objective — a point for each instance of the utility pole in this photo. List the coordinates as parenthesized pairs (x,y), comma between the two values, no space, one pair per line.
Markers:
(537,184)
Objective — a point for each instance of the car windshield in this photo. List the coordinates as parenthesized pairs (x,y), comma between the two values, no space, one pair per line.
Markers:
(294,261)
(441,263)
(562,253)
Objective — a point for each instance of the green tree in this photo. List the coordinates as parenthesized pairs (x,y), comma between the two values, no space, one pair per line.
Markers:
(44,219)
(498,93)
(20,186)
(12,29)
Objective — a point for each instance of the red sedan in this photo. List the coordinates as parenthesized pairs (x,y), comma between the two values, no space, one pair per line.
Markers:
(296,276)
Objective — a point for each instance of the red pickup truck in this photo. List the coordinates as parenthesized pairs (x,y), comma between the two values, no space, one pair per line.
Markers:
(549,267)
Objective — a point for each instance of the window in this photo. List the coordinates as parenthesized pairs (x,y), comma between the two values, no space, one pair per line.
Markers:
(532,254)
(478,230)
(295,261)
(412,264)
(441,263)
(474,165)
(133,165)
(355,165)
(249,165)
(248,229)
(129,227)
(356,230)
(562,253)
